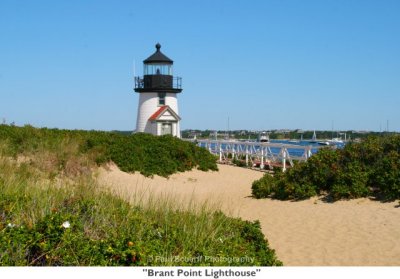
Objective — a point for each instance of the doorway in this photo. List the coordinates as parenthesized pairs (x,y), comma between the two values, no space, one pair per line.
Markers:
(166,129)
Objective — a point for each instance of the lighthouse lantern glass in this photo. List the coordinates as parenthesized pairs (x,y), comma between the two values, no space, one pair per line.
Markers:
(158,69)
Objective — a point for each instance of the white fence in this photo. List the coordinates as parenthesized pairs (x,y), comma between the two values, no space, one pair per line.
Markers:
(258,153)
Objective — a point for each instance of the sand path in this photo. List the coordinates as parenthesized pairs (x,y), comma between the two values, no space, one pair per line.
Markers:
(310,233)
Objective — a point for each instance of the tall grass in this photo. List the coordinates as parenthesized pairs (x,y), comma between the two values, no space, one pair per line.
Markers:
(66,218)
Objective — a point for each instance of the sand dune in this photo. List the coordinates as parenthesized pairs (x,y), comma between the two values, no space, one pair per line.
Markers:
(306,233)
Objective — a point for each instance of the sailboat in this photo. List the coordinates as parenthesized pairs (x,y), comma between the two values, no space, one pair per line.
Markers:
(314,138)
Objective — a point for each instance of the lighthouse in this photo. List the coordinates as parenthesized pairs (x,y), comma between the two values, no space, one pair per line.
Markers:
(158,112)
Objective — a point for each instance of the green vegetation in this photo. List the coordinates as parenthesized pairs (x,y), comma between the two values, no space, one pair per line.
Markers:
(145,153)
(53,212)
(371,167)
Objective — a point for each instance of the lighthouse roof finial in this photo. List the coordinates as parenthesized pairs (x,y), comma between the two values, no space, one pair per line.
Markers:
(158,57)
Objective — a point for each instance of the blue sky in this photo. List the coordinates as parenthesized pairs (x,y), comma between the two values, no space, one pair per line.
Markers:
(264,64)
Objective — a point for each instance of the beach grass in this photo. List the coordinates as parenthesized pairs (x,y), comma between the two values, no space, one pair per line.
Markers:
(54,213)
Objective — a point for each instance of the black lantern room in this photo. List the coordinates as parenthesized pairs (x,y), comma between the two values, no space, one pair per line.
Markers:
(157,75)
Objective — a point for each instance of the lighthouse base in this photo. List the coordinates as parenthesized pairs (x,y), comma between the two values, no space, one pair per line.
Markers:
(157,119)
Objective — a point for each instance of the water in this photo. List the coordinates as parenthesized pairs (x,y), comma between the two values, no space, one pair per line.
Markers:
(296,152)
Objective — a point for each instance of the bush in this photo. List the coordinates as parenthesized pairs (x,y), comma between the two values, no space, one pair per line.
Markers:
(319,171)
(68,151)
(239,162)
(304,191)
(386,176)
(350,183)
(346,173)
(263,187)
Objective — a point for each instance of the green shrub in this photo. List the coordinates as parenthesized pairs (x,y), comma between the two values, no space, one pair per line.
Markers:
(320,170)
(263,187)
(386,176)
(251,232)
(351,183)
(241,162)
(346,173)
(72,152)
(304,191)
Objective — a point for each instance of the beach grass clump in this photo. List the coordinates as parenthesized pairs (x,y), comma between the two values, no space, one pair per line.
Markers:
(75,151)
(369,168)
(71,221)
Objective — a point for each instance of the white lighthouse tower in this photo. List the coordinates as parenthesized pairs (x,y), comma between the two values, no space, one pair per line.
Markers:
(158,112)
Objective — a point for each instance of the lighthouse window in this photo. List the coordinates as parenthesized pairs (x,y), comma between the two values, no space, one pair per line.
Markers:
(161,99)
(157,69)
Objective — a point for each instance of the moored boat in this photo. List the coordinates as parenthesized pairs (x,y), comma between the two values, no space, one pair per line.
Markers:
(263,137)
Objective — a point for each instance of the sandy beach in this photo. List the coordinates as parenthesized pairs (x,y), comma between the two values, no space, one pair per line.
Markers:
(307,233)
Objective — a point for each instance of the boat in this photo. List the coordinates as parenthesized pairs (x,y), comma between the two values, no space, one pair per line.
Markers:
(336,141)
(325,142)
(263,137)
(314,138)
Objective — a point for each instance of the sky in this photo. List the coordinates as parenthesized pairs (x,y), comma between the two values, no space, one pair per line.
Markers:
(282,64)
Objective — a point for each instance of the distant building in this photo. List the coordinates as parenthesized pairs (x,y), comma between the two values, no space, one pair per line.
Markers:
(158,104)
